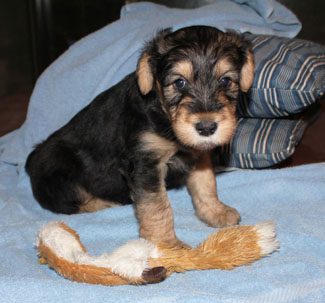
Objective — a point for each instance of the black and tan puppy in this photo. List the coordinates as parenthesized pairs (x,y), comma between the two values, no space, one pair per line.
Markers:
(153,130)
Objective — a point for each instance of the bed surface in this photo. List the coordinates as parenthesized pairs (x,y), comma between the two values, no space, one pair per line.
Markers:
(296,273)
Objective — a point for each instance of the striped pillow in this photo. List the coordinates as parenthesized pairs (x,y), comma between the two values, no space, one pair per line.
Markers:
(289,77)
(260,143)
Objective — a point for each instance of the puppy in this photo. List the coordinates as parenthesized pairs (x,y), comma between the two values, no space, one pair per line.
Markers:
(152,131)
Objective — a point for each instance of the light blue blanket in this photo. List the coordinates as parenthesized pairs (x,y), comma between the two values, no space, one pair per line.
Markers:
(294,198)
(106,56)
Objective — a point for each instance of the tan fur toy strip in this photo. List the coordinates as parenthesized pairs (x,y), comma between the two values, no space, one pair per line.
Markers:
(141,262)
(228,248)
(60,248)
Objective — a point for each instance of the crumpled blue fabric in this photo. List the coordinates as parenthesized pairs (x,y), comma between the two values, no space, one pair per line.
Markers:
(103,58)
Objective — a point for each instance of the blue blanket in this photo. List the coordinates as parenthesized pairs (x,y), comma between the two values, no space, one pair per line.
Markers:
(106,56)
(294,198)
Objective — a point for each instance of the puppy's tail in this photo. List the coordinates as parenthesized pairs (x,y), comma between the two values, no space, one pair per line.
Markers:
(228,248)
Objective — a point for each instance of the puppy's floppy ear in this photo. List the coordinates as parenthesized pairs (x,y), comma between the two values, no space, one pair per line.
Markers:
(147,62)
(247,71)
(145,74)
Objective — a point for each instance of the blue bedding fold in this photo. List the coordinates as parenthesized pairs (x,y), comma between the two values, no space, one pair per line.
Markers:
(103,58)
(293,198)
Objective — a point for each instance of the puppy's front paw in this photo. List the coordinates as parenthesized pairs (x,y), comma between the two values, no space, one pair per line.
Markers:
(175,244)
(227,216)
(220,215)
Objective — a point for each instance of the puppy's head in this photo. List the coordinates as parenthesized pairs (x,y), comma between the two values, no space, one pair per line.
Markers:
(197,72)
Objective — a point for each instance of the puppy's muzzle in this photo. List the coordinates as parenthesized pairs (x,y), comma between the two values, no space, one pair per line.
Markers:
(206,128)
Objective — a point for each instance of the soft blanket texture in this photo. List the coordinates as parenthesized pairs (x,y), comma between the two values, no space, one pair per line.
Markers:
(293,198)
(106,56)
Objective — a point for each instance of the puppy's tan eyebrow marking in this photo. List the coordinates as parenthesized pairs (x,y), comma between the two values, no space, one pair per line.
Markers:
(223,66)
(232,74)
(184,68)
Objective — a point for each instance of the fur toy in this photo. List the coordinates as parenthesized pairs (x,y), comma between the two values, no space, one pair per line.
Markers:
(141,262)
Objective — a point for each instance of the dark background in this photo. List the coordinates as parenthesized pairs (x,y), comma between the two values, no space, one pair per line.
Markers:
(33,33)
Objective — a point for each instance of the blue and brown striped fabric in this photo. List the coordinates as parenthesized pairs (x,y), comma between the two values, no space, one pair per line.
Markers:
(260,143)
(289,77)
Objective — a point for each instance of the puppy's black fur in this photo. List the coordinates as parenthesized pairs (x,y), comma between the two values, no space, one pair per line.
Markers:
(150,130)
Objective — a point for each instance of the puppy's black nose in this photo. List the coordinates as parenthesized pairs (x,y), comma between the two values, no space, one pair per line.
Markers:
(206,128)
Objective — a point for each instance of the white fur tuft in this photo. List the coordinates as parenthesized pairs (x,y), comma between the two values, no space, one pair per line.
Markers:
(267,237)
(60,241)
(129,260)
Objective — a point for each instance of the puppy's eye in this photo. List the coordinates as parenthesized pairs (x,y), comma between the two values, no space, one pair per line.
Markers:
(224,82)
(180,83)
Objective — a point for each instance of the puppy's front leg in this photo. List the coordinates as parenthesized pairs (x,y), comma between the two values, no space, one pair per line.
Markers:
(155,217)
(152,206)
(201,184)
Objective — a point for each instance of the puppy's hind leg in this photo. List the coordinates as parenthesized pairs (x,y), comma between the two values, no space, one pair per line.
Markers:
(92,204)
(54,171)
(56,193)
